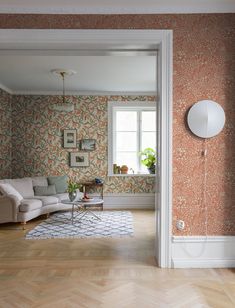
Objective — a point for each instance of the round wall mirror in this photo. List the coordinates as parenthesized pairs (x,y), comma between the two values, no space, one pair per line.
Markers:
(206,119)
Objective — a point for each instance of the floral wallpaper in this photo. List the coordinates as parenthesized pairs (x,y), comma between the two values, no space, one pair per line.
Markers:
(203,68)
(5,135)
(37,139)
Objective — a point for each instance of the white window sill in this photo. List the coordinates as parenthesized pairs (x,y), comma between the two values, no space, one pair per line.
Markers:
(129,174)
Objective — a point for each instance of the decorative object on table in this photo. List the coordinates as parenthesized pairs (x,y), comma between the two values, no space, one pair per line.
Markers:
(64,103)
(79,159)
(149,159)
(99,181)
(86,198)
(110,224)
(70,138)
(80,195)
(87,144)
(91,184)
(124,169)
(72,190)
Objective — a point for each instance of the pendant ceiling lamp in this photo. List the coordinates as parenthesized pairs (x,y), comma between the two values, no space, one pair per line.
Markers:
(63,73)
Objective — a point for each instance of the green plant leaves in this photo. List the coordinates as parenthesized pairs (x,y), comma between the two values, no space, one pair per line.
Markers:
(149,157)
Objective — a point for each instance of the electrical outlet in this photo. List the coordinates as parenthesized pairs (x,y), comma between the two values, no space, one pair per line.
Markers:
(180,225)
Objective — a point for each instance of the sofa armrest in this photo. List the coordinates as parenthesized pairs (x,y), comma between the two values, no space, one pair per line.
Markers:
(9,208)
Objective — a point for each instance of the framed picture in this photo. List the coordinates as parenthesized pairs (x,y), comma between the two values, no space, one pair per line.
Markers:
(70,138)
(88,144)
(79,159)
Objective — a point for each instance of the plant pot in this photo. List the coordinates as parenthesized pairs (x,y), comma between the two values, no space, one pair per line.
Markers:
(72,195)
(124,169)
(152,169)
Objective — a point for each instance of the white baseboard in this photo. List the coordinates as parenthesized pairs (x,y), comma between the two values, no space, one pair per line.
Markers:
(129,201)
(203,252)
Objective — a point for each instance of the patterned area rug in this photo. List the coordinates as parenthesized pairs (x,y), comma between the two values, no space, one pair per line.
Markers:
(59,225)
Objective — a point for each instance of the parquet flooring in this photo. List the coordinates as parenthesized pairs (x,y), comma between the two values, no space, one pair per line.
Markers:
(109,272)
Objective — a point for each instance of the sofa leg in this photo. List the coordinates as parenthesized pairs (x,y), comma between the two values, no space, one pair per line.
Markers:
(23,225)
(47,215)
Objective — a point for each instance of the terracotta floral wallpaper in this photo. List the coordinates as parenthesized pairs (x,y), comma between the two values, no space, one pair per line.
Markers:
(37,131)
(5,135)
(204,68)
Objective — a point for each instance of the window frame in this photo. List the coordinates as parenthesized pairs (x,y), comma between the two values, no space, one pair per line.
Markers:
(114,106)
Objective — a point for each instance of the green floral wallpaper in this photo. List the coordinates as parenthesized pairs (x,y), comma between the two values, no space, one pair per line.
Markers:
(5,135)
(37,138)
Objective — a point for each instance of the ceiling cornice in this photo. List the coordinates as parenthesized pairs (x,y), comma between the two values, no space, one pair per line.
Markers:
(116,7)
(6,89)
(76,93)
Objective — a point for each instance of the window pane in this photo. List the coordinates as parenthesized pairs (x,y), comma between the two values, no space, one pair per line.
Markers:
(126,120)
(148,120)
(129,159)
(126,141)
(148,140)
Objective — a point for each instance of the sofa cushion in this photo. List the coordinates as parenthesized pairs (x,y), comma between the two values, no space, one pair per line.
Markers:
(60,183)
(61,197)
(39,181)
(24,186)
(47,200)
(44,190)
(8,189)
(27,205)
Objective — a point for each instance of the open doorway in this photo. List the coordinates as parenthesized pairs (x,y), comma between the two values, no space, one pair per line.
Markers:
(94,41)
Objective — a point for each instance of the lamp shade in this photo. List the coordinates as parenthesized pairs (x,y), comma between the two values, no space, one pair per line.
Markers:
(206,119)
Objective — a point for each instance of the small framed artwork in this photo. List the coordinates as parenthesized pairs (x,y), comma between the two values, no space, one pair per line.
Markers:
(87,144)
(79,159)
(70,138)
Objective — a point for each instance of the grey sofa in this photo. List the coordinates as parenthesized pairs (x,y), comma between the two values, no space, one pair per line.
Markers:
(12,209)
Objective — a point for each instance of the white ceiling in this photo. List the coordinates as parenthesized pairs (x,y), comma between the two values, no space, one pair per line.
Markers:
(117,6)
(30,74)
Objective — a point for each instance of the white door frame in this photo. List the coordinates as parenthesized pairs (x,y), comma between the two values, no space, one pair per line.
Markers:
(108,39)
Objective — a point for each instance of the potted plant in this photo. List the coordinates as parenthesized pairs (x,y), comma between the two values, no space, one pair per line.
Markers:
(149,159)
(124,169)
(72,190)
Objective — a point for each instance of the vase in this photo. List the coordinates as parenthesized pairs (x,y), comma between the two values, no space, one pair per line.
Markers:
(72,195)
(152,169)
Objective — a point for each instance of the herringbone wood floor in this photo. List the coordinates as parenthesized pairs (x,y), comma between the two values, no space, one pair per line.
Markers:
(112,273)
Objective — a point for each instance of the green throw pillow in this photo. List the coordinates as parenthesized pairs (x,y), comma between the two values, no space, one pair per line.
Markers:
(60,183)
(44,190)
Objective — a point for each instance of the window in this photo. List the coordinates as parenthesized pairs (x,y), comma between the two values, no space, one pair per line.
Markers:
(132,129)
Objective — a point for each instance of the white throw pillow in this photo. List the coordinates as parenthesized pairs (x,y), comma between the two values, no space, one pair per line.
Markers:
(8,189)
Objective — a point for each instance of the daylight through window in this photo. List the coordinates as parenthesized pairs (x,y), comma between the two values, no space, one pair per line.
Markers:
(133,130)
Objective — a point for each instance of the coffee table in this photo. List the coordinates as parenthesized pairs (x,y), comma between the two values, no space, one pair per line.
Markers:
(82,208)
